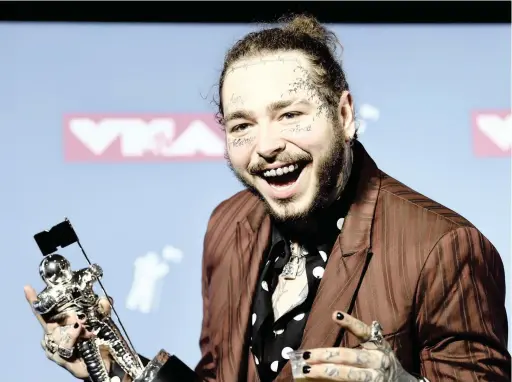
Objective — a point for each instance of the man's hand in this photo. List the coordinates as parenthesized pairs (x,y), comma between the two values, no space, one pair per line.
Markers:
(64,333)
(374,362)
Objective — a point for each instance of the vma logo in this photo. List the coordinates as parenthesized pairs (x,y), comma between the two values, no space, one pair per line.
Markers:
(133,138)
(148,276)
(492,133)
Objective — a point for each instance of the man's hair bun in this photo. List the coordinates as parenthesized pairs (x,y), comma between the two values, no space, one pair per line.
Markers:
(303,24)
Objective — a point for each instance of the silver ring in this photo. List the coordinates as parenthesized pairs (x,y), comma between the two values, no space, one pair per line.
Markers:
(65,353)
(376,334)
(51,345)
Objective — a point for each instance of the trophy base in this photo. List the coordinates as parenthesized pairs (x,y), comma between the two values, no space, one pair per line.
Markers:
(167,368)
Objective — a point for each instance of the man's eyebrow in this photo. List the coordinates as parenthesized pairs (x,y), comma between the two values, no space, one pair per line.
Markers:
(272,108)
(238,114)
(278,105)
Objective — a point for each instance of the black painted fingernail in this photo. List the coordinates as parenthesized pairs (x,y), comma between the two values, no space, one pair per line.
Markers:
(339,316)
(81,316)
(76,325)
(306,369)
(306,355)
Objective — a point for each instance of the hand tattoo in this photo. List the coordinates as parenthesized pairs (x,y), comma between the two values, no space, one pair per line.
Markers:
(390,368)
(65,338)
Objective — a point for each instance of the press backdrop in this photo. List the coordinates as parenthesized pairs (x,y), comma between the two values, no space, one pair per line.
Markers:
(111,126)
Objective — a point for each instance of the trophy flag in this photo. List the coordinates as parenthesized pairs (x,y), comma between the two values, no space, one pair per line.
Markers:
(60,235)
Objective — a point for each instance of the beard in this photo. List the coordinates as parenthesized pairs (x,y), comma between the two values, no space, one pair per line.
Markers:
(332,173)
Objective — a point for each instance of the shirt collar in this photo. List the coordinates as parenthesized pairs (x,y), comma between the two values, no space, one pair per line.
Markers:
(280,247)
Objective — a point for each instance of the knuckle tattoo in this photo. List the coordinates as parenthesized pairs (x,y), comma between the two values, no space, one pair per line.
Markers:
(362,358)
(385,362)
(353,374)
(380,377)
(360,375)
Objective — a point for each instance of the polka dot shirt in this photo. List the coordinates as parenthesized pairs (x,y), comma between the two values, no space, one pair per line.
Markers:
(272,340)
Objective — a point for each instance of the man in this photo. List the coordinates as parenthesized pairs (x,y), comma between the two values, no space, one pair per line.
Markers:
(324,258)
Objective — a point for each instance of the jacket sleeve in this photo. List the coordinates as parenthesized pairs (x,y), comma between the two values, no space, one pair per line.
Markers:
(461,318)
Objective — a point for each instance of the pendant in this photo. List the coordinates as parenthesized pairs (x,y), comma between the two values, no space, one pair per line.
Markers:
(291,269)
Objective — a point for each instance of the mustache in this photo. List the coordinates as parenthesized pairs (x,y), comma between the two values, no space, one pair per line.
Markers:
(259,166)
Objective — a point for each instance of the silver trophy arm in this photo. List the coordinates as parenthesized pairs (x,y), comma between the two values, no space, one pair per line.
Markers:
(109,337)
(90,353)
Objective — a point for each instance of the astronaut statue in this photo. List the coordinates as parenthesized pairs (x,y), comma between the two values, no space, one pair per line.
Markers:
(72,291)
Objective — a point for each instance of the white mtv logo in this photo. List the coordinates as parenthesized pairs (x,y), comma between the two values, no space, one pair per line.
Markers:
(138,137)
(149,272)
(367,113)
(498,129)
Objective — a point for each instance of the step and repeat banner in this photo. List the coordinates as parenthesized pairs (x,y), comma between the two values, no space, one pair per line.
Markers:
(113,127)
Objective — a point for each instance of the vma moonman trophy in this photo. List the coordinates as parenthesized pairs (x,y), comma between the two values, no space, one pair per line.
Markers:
(72,291)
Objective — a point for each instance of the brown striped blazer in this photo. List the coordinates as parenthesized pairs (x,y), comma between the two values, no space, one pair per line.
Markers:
(433,281)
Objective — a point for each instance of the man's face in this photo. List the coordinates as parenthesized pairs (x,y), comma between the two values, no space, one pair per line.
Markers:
(282,142)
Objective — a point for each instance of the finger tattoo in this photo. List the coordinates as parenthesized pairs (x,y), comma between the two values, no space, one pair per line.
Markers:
(331,354)
(363,328)
(332,371)
(359,375)
(362,358)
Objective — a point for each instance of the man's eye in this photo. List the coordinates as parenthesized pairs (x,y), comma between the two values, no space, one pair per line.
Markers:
(290,115)
(240,127)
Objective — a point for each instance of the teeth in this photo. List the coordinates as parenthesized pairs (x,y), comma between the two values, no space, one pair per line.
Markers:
(281,170)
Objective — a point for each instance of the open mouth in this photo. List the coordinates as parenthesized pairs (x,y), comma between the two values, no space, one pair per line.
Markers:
(284,176)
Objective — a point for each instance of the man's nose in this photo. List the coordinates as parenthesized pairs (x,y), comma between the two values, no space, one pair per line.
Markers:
(270,144)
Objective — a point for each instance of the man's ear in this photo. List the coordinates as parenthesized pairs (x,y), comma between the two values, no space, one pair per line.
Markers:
(346,115)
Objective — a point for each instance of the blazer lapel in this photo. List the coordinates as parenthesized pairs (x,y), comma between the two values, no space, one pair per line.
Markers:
(252,235)
(345,268)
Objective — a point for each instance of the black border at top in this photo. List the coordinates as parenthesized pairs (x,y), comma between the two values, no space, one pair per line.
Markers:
(349,12)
